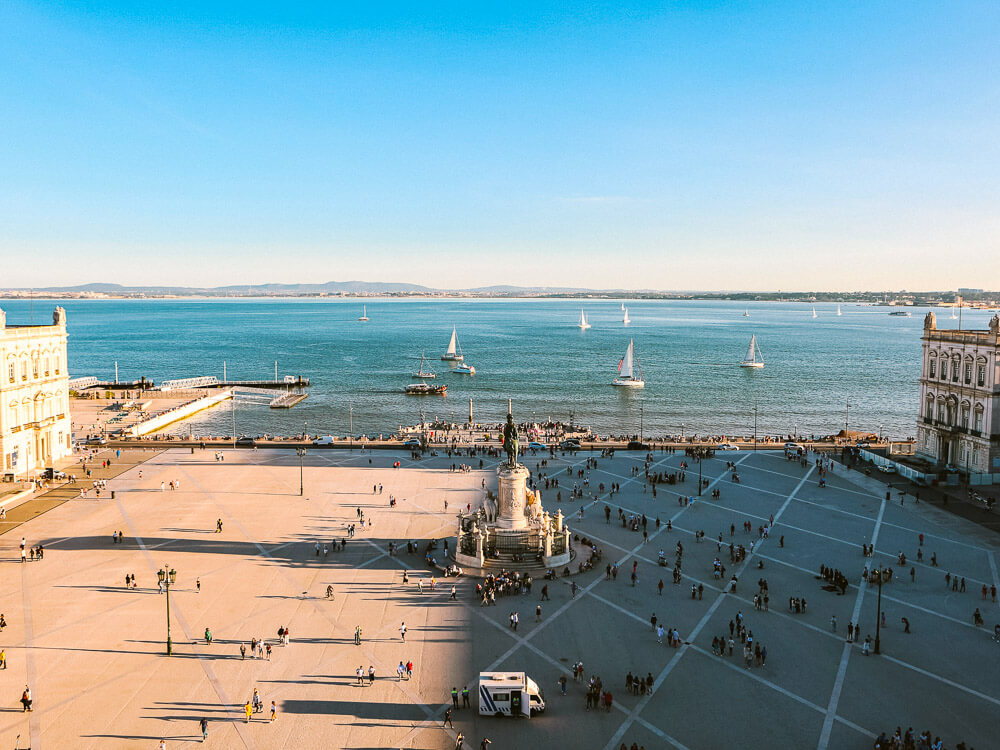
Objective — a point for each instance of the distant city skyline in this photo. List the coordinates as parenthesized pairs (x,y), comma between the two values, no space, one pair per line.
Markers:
(843,147)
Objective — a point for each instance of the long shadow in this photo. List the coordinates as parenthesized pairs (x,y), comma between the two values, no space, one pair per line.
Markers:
(362,710)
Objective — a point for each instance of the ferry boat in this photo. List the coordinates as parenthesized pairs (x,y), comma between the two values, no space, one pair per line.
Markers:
(629,371)
(454,353)
(751,359)
(425,389)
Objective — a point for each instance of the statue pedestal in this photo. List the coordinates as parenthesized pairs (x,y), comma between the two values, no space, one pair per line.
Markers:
(511,497)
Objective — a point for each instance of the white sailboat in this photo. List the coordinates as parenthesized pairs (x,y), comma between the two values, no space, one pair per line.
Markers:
(814,312)
(751,359)
(953,316)
(623,307)
(746,313)
(454,353)
(839,313)
(583,325)
(364,314)
(629,371)
(421,373)
(626,320)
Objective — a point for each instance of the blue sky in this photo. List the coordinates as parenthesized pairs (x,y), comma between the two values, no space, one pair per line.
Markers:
(681,145)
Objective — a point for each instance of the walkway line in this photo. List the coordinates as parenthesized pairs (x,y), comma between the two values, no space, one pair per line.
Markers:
(34,720)
(993,568)
(838,684)
(206,667)
(945,680)
(617,736)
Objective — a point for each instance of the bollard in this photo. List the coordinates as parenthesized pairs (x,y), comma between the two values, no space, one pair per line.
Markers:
(112,494)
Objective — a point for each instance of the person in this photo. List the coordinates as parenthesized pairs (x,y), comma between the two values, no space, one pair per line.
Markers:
(454,696)
(465,697)
(459,741)
(3,658)
(248,710)
(357,636)
(447,719)
(208,636)
(486,741)
(197,584)
(329,591)
(274,710)
(26,699)
(204,729)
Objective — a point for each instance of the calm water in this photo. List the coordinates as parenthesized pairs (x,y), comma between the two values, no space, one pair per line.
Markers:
(527,350)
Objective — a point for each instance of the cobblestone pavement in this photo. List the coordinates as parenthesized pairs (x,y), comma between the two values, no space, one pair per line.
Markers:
(94,654)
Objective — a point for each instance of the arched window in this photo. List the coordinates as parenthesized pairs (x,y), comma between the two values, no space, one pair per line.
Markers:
(981,372)
(977,418)
(34,366)
(968,371)
(11,376)
(929,406)
(955,364)
(932,365)
(45,369)
(24,368)
(965,415)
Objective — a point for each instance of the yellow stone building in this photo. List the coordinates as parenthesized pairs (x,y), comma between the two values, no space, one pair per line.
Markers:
(34,396)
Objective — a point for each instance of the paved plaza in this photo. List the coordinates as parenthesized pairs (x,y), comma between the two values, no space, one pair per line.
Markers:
(93,652)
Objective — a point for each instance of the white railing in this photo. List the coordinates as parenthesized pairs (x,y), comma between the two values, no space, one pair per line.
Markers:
(205,380)
(86,382)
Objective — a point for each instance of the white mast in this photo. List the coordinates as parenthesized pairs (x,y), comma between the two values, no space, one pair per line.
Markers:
(626,320)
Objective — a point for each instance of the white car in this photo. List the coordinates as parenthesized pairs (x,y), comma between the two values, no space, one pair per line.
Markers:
(728,447)
(324,440)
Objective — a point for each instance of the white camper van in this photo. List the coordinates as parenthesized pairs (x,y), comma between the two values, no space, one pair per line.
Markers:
(509,694)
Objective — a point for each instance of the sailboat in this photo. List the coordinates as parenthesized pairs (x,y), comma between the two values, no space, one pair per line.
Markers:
(583,325)
(454,353)
(421,373)
(626,320)
(629,371)
(746,313)
(623,307)
(839,313)
(814,312)
(364,314)
(751,359)
(953,316)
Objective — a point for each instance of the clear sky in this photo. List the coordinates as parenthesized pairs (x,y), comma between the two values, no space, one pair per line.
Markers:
(677,145)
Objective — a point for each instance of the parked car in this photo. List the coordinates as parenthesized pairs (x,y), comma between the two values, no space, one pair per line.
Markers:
(728,447)
(51,473)
(887,469)
(246,442)
(535,445)
(793,447)
(411,443)
(96,441)
(570,445)
(324,440)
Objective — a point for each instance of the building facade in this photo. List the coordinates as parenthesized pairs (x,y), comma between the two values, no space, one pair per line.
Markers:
(959,424)
(34,396)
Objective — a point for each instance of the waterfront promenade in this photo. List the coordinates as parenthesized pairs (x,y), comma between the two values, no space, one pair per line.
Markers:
(73,625)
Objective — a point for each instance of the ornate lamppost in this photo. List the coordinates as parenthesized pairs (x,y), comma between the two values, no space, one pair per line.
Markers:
(167,578)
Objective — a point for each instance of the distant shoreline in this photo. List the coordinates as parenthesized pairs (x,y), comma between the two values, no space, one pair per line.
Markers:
(911,301)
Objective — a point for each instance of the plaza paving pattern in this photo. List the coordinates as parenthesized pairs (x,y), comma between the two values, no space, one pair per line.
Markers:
(93,652)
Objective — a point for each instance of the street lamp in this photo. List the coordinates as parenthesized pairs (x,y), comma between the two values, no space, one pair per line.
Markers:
(640,422)
(755,424)
(300,452)
(167,579)
(351,407)
(878,615)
